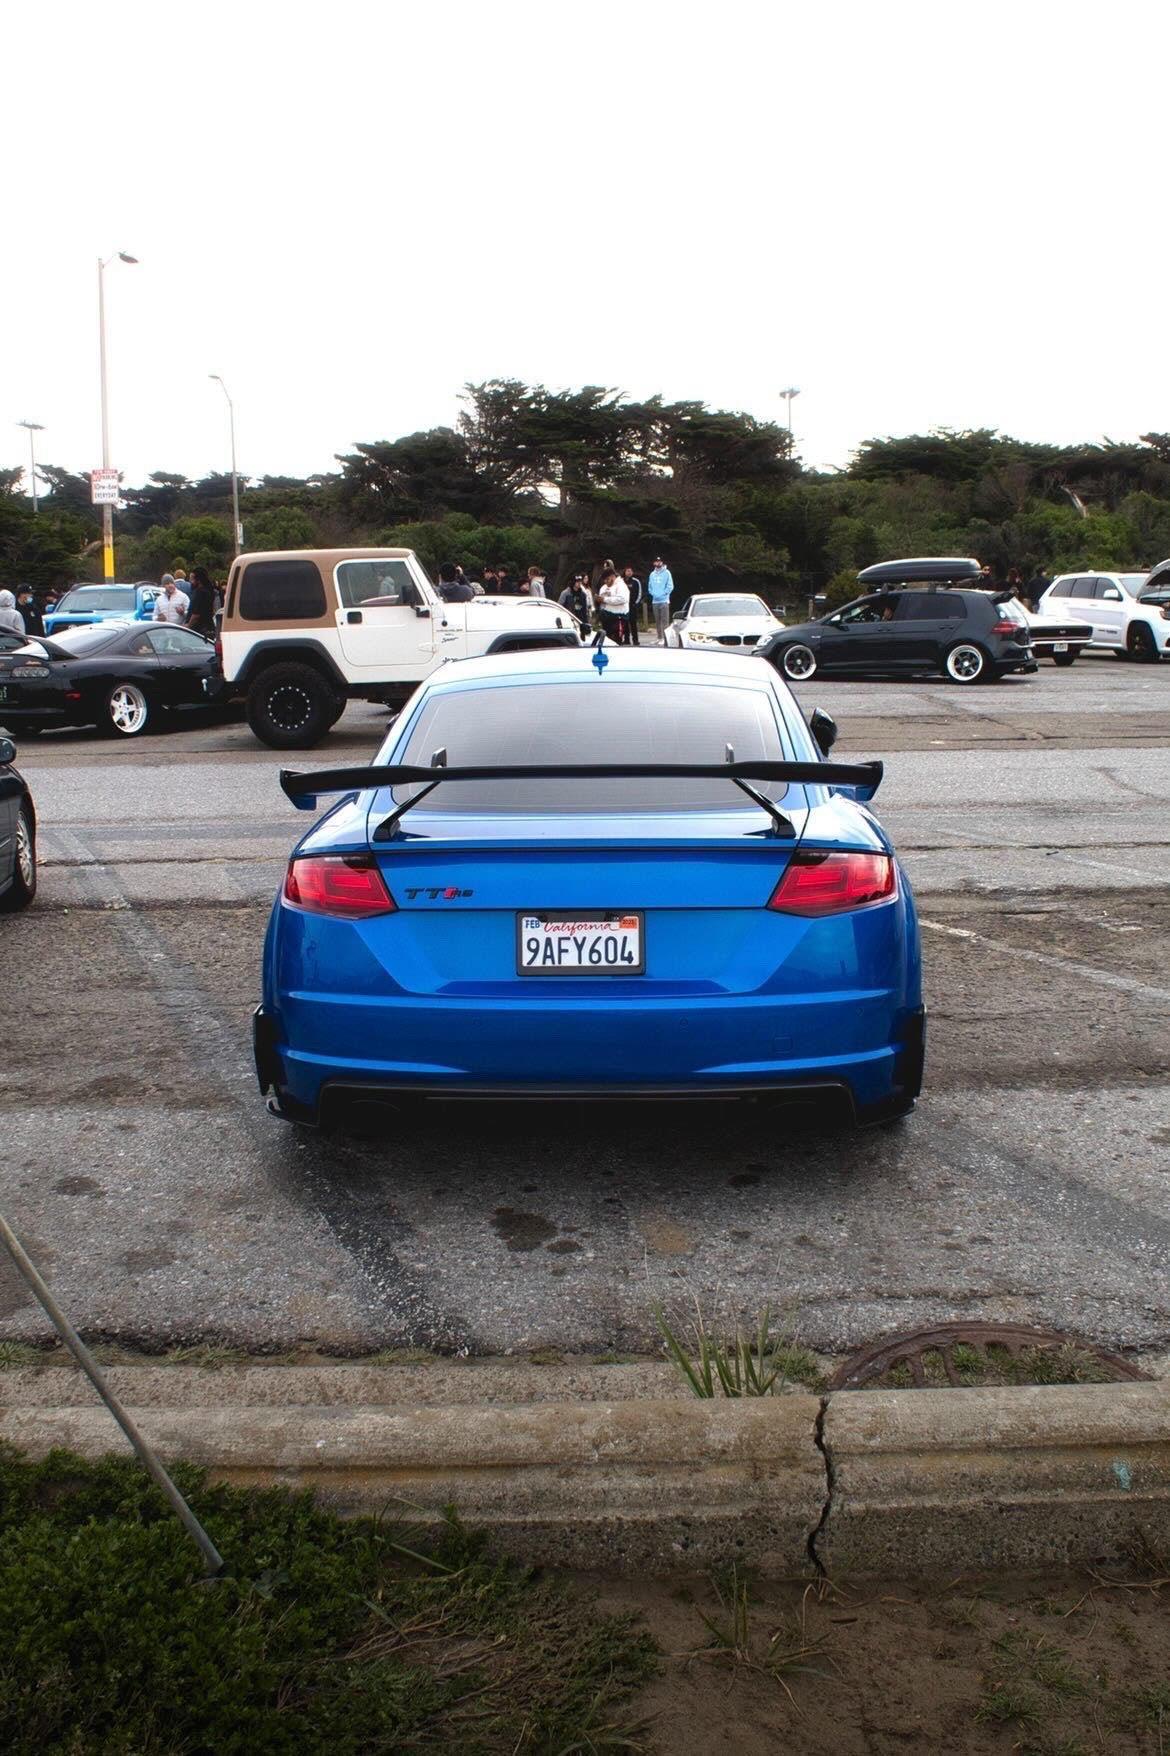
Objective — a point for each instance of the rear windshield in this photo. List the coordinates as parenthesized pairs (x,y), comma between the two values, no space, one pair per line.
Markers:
(598,720)
(78,640)
(88,598)
(728,607)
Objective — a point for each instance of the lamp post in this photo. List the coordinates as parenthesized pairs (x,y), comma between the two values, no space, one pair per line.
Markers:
(237,529)
(107,510)
(33,427)
(787,396)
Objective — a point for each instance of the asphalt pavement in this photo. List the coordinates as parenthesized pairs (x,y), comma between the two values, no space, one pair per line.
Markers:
(167,1208)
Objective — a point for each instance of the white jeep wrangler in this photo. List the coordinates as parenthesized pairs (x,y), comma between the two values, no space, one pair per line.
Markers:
(306,630)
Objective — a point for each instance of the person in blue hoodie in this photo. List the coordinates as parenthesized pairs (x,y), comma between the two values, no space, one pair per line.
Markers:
(659,586)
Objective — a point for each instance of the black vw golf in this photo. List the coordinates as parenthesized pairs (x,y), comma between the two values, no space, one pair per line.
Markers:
(919,615)
(115,675)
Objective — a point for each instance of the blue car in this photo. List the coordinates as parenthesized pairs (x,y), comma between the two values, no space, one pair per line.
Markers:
(630,873)
(82,604)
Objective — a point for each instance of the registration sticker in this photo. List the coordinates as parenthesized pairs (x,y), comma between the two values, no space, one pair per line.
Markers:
(601,944)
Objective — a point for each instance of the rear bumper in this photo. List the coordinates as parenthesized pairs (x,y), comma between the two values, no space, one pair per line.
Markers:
(861,1087)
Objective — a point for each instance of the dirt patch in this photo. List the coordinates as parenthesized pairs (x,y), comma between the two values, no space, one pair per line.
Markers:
(1047,1665)
(997,1018)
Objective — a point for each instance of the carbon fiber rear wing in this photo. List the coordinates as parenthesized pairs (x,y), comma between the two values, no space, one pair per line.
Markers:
(304,787)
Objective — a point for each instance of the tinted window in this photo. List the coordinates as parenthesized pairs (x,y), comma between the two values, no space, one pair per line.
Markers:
(879,609)
(176,640)
(281,591)
(76,642)
(88,598)
(592,720)
(1081,588)
(931,606)
(364,582)
(728,607)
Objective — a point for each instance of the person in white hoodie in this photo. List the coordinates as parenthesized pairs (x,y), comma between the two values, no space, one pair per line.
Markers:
(11,621)
(613,599)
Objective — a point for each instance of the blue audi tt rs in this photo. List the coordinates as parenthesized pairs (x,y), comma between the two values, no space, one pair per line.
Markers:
(630,873)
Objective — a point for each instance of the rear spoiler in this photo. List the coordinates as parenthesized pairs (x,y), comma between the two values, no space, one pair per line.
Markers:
(304,788)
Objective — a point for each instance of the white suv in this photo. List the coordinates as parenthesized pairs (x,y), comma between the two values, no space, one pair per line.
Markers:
(1109,603)
(306,630)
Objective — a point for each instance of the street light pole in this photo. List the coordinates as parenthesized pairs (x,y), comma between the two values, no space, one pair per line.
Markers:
(787,396)
(237,529)
(107,510)
(33,427)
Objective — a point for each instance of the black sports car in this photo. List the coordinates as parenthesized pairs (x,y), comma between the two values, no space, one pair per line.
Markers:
(117,675)
(18,834)
(913,619)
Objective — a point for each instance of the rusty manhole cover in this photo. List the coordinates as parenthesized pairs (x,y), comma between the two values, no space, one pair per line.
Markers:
(980,1353)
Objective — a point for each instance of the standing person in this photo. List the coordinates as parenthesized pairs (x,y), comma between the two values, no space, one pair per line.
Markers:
(26,609)
(536,582)
(11,622)
(1016,580)
(452,589)
(634,587)
(659,586)
(171,604)
(490,587)
(503,583)
(1036,586)
(578,600)
(614,599)
(201,613)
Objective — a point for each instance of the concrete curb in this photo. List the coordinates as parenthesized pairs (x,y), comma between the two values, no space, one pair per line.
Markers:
(855,1482)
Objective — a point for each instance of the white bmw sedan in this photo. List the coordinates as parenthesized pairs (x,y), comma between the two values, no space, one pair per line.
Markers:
(729,619)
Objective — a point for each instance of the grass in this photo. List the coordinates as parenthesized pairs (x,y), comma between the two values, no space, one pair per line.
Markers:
(787,1652)
(994,1365)
(16,1354)
(759,1363)
(321,1635)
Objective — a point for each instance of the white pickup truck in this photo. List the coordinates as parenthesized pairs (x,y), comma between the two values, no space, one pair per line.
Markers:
(306,630)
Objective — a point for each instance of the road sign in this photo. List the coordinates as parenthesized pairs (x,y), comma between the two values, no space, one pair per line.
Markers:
(104,487)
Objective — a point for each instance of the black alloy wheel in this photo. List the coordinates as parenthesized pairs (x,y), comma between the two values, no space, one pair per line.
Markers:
(24,874)
(291,706)
(966,662)
(798,662)
(1140,644)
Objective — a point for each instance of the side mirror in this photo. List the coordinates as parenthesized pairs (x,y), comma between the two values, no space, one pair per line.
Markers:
(422,609)
(1111,595)
(823,727)
(7,752)
(819,601)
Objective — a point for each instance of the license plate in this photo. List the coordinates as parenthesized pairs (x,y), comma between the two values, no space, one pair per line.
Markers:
(1060,646)
(580,945)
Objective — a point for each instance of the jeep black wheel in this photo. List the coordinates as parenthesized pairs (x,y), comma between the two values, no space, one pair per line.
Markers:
(291,706)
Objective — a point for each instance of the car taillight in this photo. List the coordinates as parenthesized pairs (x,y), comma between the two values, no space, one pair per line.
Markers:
(1008,628)
(219,648)
(348,886)
(828,883)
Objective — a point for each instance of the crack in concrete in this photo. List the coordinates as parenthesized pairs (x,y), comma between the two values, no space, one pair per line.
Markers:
(815,1535)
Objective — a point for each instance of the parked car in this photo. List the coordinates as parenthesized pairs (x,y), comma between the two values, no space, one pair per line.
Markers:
(918,615)
(306,630)
(466,924)
(85,604)
(735,619)
(1059,641)
(18,834)
(119,675)
(1111,603)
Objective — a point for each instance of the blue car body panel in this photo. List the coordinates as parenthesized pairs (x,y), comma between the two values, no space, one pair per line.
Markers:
(735,997)
(140,610)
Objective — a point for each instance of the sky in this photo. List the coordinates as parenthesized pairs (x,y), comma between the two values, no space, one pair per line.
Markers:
(920,215)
